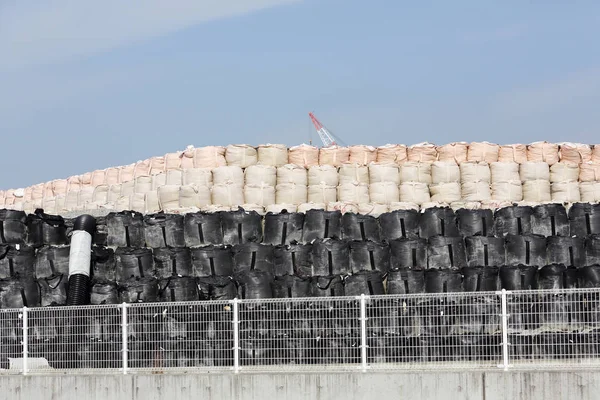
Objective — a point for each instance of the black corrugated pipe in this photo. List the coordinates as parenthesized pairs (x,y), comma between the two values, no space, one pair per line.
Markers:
(80,260)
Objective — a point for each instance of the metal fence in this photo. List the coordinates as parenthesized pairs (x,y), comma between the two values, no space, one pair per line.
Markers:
(486,330)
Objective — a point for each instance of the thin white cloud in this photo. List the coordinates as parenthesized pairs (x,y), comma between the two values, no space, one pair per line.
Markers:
(41,31)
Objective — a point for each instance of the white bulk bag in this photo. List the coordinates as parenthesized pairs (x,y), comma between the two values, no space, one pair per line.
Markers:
(392,153)
(213,208)
(112,175)
(483,151)
(174,177)
(534,171)
(158,181)
(334,155)
(73,184)
(476,191)
(227,195)
(353,192)
(143,184)
(137,202)
(86,195)
(373,209)
(241,155)
(475,172)
(49,205)
(589,172)
(323,174)
(507,191)
(574,153)
(127,188)
(168,197)
(322,193)
(466,205)
(274,155)
(384,173)
(114,192)
(173,161)
(278,208)
(537,190)
(192,196)
(421,152)
(293,174)
(209,157)
(453,153)
(343,206)
(86,179)
(303,155)
(60,201)
(362,154)
(565,192)
(383,193)
(542,152)
(59,186)
(228,175)
(151,204)
(353,173)
(504,172)
(564,172)
(142,168)
(415,172)
(304,207)
(260,175)
(157,166)
(596,154)
(402,205)
(513,153)
(123,203)
(187,157)
(445,172)
(290,193)
(126,173)
(262,195)
(100,194)
(201,177)
(589,192)
(99,178)
(253,207)
(414,192)
(445,192)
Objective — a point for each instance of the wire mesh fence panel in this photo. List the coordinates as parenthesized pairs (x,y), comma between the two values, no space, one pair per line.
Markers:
(74,339)
(11,341)
(554,328)
(165,336)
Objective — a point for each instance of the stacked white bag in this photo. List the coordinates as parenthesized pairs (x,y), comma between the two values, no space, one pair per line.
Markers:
(589,180)
(228,186)
(475,178)
(564,178)
(291,185)
(535,178)
(322,184)
(506,181)
(445,178)
(260,181)
(384,184)
(353,186)
(415,177)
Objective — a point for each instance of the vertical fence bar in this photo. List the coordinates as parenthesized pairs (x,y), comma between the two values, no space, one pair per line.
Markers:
(236,336)
(363,333)
(25,341)
(125,351)
(505,343)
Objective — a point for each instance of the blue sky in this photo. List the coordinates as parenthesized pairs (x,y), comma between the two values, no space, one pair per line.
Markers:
(89,84)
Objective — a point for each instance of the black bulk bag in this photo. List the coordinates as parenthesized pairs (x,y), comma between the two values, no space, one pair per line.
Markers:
(139,290)
(212,261)
(53,290)
(369,256)
(369,283)
(283,228)
(480,279)
(13,228)
(293,259)
(291,287)
(406,281)
(202,229)
(552,276)
(254,284)
(241,227)
(331,257)
(550,220)
(125,229)
(104,293)
(16,261)
(475,222)
(104,264)
(52,261)
(19,293)
(327,286)
(133,263)
(163,230)
(46,229)
(172,262)
(443,281)
(408,253)
(485,251)
(399,224)
(592,250)
(178,289)
(513,220)
(446,252)
(101,234)
(588,276)
(319,224)
(360,227)
(521,277)
(584,219)
(217,288)
(525,250)
(566,250)
(253,256)
(436,221)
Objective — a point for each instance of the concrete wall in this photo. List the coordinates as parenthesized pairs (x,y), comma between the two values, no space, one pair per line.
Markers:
(327,386)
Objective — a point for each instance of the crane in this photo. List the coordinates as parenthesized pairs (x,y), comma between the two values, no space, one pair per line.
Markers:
(324,134)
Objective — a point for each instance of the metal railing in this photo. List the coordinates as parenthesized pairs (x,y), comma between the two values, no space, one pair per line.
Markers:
(486,330)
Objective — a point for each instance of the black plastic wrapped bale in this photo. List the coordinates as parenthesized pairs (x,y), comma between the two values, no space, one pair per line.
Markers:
(588,277)
(241,227)
(101,234)
(293,259)
(255,352)
(331,257)
(566,250)
(53,290)
(408,253)
(406,281)
(19,293)
(480,279)
(104,293)
(291,287)
(360,227)
(283,228)
(212,261)
(520,277)
(476,326)
(139,290)
(556,276)
(436,221)
(134,263)
(292,350)
(475,222)
(104,264)
(513,220)
(550,220)
(369,283)
(253,256)
(178,289)
(51,261)
(254,284)
(16,261)
(327,286)
(46,230)
(217,288)
(202,229)
(592,250)
(256,321)
(555,310)
(369,256)
(399,224)
(172,262)
(435,316)
(125,229)
(99,355)
(443,281)
(13,227)
(177,354)
(525,250)
(319,224)
(446,252)
(164,230)
(485,251)
(584,219)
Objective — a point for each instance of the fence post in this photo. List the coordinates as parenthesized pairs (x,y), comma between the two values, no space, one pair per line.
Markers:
(25,341)
(236,336)
(125,351)
(505,343)
(363,333)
